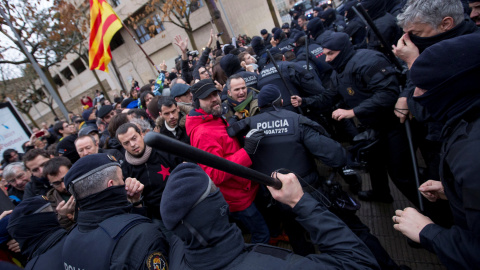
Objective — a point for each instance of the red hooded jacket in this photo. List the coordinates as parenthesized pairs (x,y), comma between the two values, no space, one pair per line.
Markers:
(209,133)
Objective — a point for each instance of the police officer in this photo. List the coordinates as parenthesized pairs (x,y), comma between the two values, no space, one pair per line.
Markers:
(281,41)
(315,56)
(316,30)
(34,225)
(299,81)
(108,236)
(197,213)
(367,83)
(306,140)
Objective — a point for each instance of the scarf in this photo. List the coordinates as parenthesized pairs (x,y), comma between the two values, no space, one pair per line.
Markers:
(241,107)
(422,43)
(139,160)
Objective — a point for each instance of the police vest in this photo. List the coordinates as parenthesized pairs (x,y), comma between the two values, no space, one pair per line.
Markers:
(250,78)
(81,248)
(282,145)
(48,260)
(269,75)
(312,69)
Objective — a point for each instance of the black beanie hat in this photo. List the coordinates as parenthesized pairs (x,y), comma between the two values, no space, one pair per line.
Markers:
(89,165)
(264,32)
(202,89)
(336,41)
(275,30)
(104,110)
(230,64)
(285,26)
(268,94)
(187,186)
(277,34)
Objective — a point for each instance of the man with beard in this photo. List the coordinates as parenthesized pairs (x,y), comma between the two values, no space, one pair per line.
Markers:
(149,166)
(475,14)
(62,201)
(34,161)
(207,131)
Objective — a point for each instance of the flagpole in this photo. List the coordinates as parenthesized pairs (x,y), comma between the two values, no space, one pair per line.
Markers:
(138,44)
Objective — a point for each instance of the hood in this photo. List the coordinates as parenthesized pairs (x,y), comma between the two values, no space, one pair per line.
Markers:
(209,220)
(348,7)
(315,27)
(375,8)
(329,16)
(195,118)
(257,45)
(230,64)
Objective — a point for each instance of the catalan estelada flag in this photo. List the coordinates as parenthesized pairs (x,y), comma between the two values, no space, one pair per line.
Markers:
(104,23)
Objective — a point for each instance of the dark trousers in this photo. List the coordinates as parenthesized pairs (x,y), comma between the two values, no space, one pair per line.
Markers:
(254,223)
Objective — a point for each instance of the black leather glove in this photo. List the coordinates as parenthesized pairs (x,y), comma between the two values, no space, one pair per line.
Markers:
(252,140)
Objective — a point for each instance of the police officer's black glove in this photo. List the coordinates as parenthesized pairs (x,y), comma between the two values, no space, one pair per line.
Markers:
(252,140)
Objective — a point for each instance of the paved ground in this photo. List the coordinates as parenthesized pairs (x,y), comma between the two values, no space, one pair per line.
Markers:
(378,217)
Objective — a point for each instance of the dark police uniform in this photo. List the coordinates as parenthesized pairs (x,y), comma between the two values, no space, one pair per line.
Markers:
(299,81)
(113,239)
(46,255)
(339,248)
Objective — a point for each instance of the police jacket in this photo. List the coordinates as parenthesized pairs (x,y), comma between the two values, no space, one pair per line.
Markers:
(356,30)
(387,25)
(153,174)
(457,247)
(340,248)
(36,186)
(108,236)
(317,57)
(305,139)
(209,133)
(285,45)
(367,83)
(47,254)
(299,81)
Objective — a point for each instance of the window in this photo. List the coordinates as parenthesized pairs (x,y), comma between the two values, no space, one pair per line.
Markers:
(115,3)
(149,27)
(194,5)
(67,73)
(78,65)
(57,80)
(116,41)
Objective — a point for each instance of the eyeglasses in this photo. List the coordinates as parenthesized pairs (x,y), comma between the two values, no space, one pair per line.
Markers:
(19,176)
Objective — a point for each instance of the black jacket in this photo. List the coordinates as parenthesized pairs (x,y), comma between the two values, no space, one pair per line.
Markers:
(154,175)
(36,186)
(339,247)
(457,247)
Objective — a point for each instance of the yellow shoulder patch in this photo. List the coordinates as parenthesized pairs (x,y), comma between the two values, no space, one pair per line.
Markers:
(156,261)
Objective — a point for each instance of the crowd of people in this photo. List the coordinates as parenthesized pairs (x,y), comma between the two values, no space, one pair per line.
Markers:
(321,93)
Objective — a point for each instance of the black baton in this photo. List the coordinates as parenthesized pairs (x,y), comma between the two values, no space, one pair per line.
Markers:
(175,147)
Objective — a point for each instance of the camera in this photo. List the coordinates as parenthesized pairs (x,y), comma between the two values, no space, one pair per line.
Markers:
(193,53)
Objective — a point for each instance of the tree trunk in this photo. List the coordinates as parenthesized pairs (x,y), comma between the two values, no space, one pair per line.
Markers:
(218,20)
(31,119)
(50,79)
(274,15)
(189,32)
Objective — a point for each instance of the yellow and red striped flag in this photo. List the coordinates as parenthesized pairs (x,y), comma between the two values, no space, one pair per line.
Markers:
(104,23)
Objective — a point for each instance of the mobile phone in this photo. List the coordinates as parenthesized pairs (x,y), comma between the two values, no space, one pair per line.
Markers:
(39,134)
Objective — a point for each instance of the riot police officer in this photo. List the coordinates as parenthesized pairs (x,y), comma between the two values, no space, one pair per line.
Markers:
(108,236)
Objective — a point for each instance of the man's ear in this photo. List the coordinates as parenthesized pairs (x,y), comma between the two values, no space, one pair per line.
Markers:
(447,24)
(110,183)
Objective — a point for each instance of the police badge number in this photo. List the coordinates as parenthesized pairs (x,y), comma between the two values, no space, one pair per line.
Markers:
(156,261)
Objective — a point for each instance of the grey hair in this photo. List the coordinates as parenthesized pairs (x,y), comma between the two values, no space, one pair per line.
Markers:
(431,12)
(93,183)
(144,125)
(11,169)
(234,76)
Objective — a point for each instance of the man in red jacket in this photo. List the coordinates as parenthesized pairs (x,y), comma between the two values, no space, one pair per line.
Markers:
(207,131)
